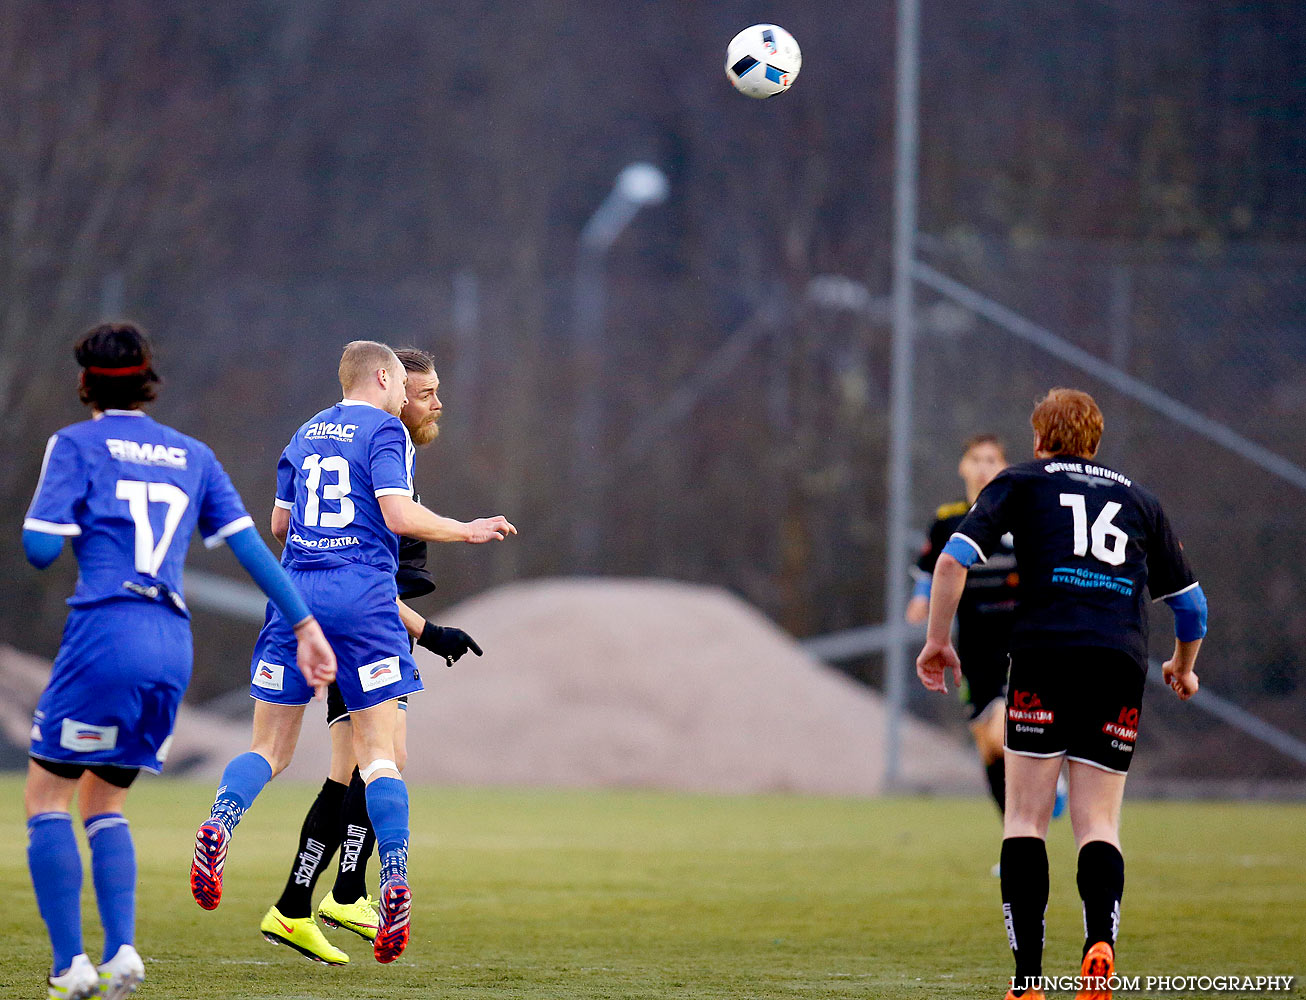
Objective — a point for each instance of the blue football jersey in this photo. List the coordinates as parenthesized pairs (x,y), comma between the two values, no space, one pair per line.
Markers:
(330,477)
(129,491)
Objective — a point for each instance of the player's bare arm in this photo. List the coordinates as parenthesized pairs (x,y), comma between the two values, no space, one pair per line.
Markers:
(280,524)
(918,610)
(1178,670)
(413,622)
(938,656)
(405,516)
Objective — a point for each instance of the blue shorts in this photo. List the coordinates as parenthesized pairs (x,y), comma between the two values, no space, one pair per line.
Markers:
(355,605)
(121,671)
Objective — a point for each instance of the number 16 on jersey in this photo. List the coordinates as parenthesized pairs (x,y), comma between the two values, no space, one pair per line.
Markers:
(1108,539)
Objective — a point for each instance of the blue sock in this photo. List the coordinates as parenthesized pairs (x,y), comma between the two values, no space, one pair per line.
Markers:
(387,808)
(113,869)
(57,878)
(243,779)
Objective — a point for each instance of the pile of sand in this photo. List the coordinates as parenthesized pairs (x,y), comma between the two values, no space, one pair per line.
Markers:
(601,682)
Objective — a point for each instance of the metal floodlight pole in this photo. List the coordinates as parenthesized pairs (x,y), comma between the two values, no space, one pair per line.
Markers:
(898,485)
(637,185)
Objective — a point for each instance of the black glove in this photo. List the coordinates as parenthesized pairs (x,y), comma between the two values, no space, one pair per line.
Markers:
(451,643)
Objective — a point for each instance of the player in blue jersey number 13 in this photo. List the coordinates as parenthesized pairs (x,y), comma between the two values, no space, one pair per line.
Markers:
(344,496)
(337,818)
(1090,545)
(129,492)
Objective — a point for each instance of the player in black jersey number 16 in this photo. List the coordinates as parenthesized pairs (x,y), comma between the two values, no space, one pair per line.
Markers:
(1089,542)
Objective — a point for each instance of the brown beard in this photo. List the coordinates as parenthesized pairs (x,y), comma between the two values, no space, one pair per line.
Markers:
(425,433)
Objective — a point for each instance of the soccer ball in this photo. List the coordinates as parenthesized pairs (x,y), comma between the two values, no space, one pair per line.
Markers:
(763,61)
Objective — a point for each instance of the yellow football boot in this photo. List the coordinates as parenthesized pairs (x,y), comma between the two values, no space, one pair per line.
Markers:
(302,934)
(359,916)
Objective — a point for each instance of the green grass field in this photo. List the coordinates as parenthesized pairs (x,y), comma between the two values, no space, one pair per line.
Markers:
(530,894)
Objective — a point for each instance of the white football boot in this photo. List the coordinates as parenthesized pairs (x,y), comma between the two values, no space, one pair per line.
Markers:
(80,982)
(120,976)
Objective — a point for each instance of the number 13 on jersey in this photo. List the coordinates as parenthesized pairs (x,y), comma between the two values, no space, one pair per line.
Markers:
(315,466)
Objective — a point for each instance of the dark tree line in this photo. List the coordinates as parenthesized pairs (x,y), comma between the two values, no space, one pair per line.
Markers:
(260,182)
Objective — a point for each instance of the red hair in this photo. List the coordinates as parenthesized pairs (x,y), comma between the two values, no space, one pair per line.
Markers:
(1067,422)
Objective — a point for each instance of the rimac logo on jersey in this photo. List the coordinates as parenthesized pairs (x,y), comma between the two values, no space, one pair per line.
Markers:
(328,429)
(269,675)
(146,454)
(82,737)
(379,674)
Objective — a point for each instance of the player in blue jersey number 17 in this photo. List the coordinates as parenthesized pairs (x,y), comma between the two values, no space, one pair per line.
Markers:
(344,496)
(129,492)
(1090,545)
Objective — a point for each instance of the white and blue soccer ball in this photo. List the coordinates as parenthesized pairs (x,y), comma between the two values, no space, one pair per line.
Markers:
(763,60)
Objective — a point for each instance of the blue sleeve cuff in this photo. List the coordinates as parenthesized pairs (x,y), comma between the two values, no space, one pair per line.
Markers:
(41,549)
(1189,614)
(263,568)
(962,550)
(922,588)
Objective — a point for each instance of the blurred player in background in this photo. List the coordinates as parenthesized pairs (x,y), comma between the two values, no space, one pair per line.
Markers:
(344,495)
(985,613)
(129,492)
(1088,542)
(337,819)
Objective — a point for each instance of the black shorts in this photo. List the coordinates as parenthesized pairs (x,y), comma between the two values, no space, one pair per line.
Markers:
(119,777)
(336,711)
(1080,701)
(986,680)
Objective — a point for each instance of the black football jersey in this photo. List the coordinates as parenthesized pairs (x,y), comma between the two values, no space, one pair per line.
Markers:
(413,578)
(1088,542)
(985,614)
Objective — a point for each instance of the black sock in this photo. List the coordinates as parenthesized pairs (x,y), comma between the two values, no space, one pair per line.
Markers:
(356,844)
(1025,902)
(997,775)
(1101,881)
(318,839)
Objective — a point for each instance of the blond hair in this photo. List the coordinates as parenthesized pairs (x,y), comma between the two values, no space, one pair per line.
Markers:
(363,357)
(1067,422)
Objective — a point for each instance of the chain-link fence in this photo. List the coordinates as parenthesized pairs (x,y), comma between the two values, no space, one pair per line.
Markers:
(1220,332)
(743,435)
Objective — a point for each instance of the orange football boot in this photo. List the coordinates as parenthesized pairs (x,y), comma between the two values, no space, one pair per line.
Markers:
(1099,965)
